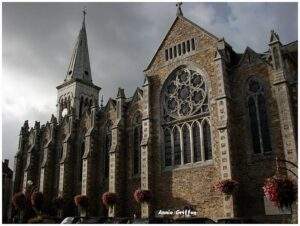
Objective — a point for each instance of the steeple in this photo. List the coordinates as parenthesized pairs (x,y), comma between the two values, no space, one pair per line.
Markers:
(79,67)
(77,93)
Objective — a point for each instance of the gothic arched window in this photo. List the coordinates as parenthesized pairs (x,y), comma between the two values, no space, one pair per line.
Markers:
(254,125)
(258,117)
(186,144)
(197,142)
(168,148)
(177,149)
(107,144)
(207,140)
(185,105)
(137,139)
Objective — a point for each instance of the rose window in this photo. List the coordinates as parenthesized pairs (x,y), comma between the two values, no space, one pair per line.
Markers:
(185,94)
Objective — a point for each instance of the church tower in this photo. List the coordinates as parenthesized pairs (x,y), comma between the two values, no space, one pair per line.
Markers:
(77,92)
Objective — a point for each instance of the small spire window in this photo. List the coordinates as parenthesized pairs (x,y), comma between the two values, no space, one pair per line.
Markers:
(183,48)
(193,44)
(166,55)
(188,46)
(179,49)
(175,51)
(170,53)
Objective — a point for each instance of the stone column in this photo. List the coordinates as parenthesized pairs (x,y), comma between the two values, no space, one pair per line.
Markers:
(18,164)
(146,208)
(116,158)
(280,81)
(66,171)
(89,164)
(47,167)
(223,102)
(31,168)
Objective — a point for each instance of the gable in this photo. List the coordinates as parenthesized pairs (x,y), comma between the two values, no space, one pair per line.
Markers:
(182,31)
(111,105)
(250,57)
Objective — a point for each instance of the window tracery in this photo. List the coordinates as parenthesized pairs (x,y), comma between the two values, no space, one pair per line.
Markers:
(258,117)
(185,105)
(185,94)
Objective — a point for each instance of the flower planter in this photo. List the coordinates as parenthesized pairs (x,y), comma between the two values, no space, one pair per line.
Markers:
(142,195)
(81,201)
(281,191)
(19,201)
(227,186)
(109,199)
(37,200)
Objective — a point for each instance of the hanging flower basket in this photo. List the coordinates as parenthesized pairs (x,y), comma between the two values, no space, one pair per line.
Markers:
(19,201)
(81,201)
(58,202)
(37,200)
(227,186)
(109,198)
(142,195)
(281,191)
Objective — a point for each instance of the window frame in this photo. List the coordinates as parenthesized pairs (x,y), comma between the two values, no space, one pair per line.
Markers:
(254,96)
(136,125)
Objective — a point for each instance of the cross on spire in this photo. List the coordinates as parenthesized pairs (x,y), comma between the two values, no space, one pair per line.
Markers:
(179,11)
(84,12)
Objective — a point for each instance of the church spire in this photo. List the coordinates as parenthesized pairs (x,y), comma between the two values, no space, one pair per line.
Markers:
(79,67)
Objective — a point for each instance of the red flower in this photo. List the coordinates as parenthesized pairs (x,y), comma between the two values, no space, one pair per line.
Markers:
(19,200)
(142,195)
(37,200)
(81,201)
(109,198)
(281,191)
(226,186)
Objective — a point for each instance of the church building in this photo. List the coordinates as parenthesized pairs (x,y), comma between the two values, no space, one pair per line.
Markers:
(204,114)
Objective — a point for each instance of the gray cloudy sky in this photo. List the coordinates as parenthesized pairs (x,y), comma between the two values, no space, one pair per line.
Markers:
(38,39)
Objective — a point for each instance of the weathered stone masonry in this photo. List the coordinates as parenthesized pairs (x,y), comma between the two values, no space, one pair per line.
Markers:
(196,121)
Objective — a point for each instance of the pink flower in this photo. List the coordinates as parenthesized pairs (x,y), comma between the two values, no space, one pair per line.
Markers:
(142,195)
(81,201)
(226,186)
(109,198)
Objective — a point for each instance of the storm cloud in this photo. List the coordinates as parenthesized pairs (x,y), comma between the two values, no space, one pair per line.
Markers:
(38,39)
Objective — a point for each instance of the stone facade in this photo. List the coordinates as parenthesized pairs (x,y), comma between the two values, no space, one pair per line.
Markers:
(7,182)
(90,149)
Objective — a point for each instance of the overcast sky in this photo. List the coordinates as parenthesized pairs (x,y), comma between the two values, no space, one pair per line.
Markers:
(38,39)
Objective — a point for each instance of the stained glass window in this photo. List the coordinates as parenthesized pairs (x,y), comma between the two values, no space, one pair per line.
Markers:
(197,143)
(254,125)
(168,148)
(264,123)
(258,117)
(177,149)
(185,101)
(186,144)
(207,140)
